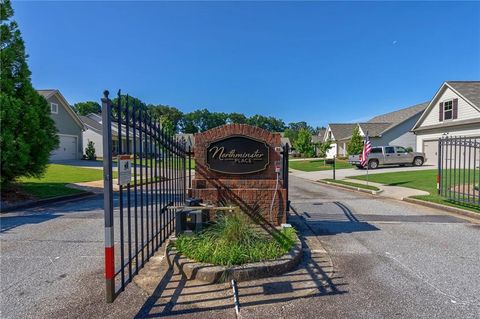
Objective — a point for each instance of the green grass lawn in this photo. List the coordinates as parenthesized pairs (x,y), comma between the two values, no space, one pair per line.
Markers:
(148,163)
(336,181)
(317,165)
(424,180)
(52,184)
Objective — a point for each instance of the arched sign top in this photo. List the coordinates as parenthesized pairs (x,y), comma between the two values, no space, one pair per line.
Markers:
(237,154)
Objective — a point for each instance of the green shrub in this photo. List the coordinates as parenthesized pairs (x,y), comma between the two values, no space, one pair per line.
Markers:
(90,151)
(233,240)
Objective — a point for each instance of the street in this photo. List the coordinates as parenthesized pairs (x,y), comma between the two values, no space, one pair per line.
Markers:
(390,259)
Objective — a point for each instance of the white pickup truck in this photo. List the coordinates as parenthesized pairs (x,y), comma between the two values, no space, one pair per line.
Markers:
(389,155)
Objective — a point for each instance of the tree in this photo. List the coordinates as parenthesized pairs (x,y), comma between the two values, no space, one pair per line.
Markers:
(291,135)
(270,123)
(173,114)
(304,144)
(324,148)
(297,126)
(355,146)
(84,108)
(28,133)
(236,118)
(90,151)
(167,125)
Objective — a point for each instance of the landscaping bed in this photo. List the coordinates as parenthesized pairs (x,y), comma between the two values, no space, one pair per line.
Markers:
(234,248)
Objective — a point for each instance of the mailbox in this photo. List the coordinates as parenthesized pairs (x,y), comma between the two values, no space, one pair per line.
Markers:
(330,161)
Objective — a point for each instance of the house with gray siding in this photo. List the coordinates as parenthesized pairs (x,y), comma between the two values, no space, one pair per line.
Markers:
(69,126)
(392,128)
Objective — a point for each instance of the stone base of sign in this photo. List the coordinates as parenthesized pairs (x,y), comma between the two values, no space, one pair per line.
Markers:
(217,274)
(252,193)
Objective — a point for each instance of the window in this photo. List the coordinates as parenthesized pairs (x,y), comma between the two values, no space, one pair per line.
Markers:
(376,150)
(401,149)
(54,108)
(389,150)
(448,110)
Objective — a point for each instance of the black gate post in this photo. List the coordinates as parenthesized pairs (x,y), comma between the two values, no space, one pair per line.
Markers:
(108,199)
(286,151)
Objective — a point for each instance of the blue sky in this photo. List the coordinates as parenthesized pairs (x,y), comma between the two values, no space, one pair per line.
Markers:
(319,62)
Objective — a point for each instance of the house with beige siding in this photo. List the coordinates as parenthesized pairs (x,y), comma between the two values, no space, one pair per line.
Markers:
(68,124)
(453,111)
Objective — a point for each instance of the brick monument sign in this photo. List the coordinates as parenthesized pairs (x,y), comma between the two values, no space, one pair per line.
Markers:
(236,164)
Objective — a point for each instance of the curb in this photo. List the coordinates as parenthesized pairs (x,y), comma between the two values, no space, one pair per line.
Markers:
(450,209)
(218,274)
(353,188)
(46,201)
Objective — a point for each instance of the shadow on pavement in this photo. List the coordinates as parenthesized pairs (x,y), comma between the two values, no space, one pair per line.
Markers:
(8,223)
(176,296)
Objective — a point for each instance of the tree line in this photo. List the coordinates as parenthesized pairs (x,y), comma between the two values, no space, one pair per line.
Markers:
(202,119)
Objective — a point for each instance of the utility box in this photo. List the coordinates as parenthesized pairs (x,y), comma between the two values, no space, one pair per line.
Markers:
(189,221)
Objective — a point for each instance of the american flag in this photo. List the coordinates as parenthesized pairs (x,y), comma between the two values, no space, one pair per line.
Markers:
(367,148)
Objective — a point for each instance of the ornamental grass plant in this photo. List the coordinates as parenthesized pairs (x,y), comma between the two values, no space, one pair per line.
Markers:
(234,240)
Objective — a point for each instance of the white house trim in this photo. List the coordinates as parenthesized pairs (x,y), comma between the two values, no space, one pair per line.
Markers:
(435,99)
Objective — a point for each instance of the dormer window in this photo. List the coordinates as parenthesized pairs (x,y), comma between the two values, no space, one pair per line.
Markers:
(54,108)
(448,110)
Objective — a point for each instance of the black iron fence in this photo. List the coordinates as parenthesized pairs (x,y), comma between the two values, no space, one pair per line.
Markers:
(285,153)
(459,169)
(151,178)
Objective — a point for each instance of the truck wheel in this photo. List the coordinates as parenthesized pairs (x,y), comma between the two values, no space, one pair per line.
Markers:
(372,164)
(418,161)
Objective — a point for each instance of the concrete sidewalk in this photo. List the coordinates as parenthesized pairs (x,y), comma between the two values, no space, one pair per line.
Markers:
(395,192)
(346,172)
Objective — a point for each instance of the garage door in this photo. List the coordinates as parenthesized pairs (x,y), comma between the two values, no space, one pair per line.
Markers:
(67,149)
(430,148)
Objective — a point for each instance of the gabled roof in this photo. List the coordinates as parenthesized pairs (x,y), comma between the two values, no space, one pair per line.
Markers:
(48,93)
(374,129)
(468,90)
(321,133)
(285,140)
(341,131)
(397,117)
(94,125)
(316,138)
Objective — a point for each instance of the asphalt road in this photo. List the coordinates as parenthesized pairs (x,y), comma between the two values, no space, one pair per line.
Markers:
(52,264)
(391,259)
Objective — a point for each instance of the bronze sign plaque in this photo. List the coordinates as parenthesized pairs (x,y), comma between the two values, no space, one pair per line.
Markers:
(238,155)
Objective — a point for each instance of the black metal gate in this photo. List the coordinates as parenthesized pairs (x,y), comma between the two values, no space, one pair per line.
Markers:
(151,166)
(459,169)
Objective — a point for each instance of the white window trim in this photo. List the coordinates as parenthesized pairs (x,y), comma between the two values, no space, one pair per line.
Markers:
(51,105)
(444,105)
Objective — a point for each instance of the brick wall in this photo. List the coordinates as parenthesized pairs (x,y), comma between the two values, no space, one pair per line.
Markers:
(249,191)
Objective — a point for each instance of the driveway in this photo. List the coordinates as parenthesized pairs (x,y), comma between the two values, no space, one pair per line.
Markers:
(343,173)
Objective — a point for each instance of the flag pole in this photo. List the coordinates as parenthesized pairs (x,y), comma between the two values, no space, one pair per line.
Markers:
(366,155)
